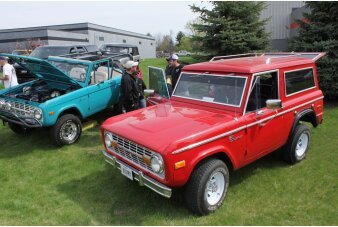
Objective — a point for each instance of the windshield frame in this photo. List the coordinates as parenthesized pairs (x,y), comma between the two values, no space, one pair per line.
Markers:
(216,75)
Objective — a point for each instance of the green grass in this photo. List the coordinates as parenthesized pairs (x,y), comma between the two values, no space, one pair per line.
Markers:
(44,185)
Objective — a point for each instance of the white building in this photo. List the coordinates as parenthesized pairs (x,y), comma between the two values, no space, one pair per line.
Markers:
(84,33)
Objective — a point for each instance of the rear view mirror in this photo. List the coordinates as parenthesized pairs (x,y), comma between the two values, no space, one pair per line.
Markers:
(274,104)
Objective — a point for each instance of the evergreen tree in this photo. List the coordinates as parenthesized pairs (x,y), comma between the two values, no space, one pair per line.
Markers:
(319,33)
(179,37)
(231,27)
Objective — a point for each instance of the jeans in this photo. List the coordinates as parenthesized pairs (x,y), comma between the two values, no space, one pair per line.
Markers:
(142,103)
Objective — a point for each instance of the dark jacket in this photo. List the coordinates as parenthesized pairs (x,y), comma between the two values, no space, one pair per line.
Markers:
(168,70)
(175,74)
(141,86)
(129,92)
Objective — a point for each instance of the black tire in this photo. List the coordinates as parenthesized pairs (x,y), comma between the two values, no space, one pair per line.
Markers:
(291,152)
(18,129)
(59,131)
(195,192)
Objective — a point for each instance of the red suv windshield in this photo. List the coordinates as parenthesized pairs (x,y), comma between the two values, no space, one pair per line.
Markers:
(226,89)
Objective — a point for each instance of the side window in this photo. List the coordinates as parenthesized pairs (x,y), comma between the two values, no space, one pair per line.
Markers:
(264,87)
(72,50)
(297,81)
(100,73)
(81,50)
(135,51)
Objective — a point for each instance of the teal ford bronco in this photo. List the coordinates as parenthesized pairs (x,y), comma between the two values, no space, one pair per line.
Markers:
(66,92)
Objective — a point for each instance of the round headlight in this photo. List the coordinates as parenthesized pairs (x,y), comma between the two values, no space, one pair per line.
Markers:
(38,114)
(108,139)
(7,106)
(156,163)
(2,103)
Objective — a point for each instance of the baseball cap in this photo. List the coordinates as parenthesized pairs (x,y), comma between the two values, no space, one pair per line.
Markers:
(130,64)
(173,57)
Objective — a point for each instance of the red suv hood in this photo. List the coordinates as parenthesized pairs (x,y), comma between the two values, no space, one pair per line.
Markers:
(167,127)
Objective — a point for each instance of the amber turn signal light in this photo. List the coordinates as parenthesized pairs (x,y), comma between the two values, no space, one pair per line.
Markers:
(180,164)
(146,159)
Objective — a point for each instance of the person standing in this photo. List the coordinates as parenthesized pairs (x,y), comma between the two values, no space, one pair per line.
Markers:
(141,87)
(176,69)
(129,99)
(167,68)
(9,75)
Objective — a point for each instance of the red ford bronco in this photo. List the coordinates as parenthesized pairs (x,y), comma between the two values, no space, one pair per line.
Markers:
(222,115)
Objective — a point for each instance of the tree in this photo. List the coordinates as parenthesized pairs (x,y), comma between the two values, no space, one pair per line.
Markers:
(164,43)
(231,27)
(179,37)
(319,33)
(185,44)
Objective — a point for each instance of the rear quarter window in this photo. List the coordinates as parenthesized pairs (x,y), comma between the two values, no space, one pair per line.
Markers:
(298,81)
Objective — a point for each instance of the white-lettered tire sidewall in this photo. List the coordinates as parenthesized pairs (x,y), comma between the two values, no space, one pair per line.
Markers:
(212,208)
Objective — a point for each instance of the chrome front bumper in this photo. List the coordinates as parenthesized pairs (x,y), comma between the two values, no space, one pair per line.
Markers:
(13,118)
(139,176)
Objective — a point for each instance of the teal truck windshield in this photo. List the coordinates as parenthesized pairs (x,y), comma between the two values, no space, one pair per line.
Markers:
(75,71)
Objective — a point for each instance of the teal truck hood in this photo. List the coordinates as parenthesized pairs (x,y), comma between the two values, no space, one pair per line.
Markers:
(42,69)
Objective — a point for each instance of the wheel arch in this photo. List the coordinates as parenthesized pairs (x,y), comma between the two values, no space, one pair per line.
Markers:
(71,110)
(307,115)
(219,153)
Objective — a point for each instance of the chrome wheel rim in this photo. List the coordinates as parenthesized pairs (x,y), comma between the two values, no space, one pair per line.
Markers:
(69,131)
(302,144)
(215,188)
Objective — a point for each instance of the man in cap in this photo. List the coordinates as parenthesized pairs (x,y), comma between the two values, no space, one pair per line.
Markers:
(176,69)
(8,73)
(129,99)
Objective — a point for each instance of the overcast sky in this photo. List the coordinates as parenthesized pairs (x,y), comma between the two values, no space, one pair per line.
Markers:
(137,16)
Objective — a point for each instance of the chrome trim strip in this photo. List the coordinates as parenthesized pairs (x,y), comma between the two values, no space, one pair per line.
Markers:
(241,128)
(139,176)
(284,112)
(208,140)
(215,75)
(313,76)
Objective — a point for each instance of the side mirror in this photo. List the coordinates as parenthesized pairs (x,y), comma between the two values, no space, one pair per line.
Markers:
(149,92)
(273,104)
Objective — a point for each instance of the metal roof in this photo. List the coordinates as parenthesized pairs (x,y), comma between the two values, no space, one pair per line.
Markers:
(120,45)
(249,64)
(79,26)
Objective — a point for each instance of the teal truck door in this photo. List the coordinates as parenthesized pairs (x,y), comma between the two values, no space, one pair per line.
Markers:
(103,90)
